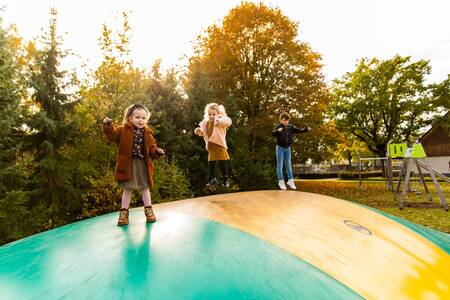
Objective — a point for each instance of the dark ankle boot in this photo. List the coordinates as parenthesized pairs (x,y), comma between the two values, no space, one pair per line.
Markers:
(225,182)
(212,182)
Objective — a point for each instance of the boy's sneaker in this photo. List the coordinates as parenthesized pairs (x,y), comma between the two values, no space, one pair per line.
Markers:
(123,217)
(281,184)
(291,184)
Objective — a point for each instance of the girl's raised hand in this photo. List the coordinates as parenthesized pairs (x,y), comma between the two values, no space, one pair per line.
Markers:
(217,120)
(198,131)
(160,151)
(107,121)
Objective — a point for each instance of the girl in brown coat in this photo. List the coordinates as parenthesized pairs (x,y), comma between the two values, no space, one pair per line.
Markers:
(136,150)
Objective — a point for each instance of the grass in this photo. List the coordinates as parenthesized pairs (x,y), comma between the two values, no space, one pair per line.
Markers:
(374,194)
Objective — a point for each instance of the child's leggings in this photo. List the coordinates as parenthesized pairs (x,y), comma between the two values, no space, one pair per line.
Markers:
(223,166)
(126,197)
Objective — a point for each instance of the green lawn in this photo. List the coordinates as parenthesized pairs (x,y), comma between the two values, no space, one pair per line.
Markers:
(375,195)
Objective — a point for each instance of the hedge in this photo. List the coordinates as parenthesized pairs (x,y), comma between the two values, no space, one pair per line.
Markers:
(355,175)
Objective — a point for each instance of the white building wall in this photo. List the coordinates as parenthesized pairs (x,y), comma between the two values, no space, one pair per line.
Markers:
(439,163)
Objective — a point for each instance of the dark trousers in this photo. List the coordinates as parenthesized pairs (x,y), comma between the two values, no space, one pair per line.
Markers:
(223,167)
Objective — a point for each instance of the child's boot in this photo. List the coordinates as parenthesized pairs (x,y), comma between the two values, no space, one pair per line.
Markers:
(281,184)
(123,217)
(211,183)
(291,184)
(148,210)
(225,182)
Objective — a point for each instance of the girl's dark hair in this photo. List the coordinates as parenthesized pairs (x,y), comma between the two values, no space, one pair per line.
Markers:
(284,115)
(128,112)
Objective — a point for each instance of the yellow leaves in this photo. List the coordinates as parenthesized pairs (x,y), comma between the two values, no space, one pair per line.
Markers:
(23,52)
(254,63)
(116,45)
(116,83)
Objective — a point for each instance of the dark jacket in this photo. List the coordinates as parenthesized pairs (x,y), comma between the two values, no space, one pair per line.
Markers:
(123,137)
(286,136)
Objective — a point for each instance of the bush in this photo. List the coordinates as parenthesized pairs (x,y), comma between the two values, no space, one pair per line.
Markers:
(101,196)
(15,217)
(253,175)
(317,175)
(355,175)
(170,182)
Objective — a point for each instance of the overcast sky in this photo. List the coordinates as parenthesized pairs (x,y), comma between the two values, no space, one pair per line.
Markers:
(341,31)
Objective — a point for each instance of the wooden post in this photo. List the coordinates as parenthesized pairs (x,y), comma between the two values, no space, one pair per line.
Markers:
(422,180)
(436,184)
(399,182)
(359,171)
(406,184)
(385,173)
(390,174)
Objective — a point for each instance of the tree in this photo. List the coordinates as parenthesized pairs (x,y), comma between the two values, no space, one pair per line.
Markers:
(199,93)
(113,86)
(253,63)
(441,102)
(173,122)
(348,148)
(382,101)
(168,106)
(116,83)
(51,129)
(13,199)
(9,111)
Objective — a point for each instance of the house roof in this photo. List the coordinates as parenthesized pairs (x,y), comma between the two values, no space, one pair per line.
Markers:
(436,141)
(435,127)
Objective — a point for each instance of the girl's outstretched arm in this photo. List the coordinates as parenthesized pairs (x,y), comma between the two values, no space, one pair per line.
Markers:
(222,121)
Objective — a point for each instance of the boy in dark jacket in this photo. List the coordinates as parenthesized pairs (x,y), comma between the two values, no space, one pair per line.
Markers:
(284,132)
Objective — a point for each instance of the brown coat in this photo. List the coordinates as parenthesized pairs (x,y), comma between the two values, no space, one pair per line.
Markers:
(123,137)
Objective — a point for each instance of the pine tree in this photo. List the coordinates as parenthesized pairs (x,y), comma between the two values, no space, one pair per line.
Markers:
(52,129)
(13,200)
(9,116)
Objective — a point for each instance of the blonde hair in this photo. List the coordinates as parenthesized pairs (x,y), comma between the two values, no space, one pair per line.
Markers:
(128,112)
(214,106)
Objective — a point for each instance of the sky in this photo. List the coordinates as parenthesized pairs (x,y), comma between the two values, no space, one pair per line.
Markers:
(341,31)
